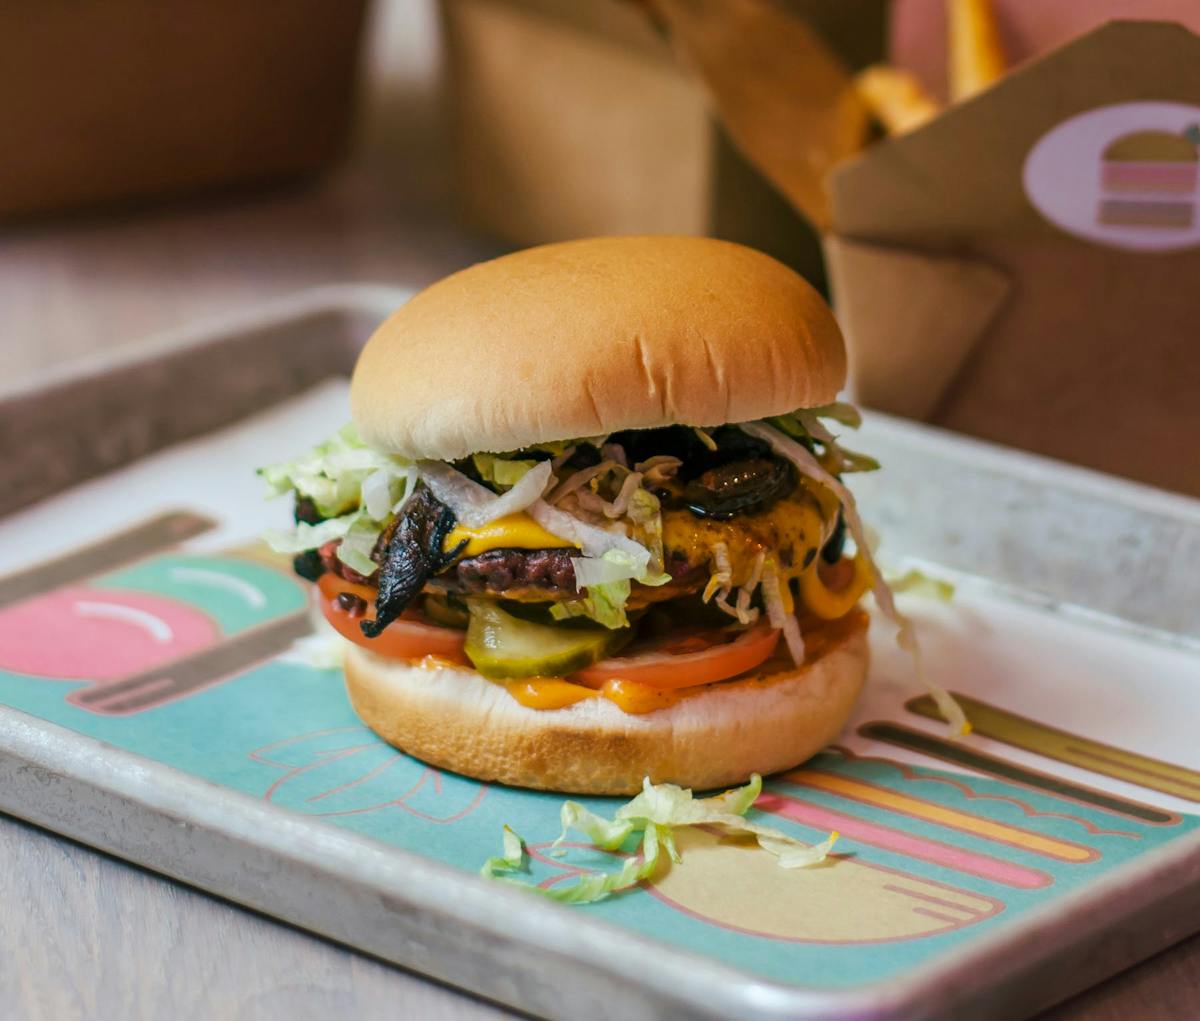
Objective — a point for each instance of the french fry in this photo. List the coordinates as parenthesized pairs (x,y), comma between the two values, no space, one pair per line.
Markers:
(974,55)
(895,98)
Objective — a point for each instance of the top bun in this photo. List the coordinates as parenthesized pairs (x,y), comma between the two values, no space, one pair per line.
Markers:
(589,337)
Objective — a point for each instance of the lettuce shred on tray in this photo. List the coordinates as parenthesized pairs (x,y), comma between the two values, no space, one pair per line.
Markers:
(655,814)
(359,490)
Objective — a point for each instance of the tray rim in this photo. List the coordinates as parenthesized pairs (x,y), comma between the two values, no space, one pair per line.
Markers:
(687,979)
(1038,468)
(351,297)
(43,745)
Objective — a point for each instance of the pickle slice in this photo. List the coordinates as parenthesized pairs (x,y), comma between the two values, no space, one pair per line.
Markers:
(505,647)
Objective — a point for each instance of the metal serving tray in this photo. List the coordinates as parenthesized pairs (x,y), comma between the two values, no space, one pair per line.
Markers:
(997,874)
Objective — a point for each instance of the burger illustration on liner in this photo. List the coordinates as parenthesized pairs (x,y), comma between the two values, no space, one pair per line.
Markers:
(1148,179)
(589,526)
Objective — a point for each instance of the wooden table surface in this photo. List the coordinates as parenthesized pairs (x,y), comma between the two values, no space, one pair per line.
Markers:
(83,935)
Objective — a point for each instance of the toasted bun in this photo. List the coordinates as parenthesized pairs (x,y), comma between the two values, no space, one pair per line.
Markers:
(589,337)
(455,719)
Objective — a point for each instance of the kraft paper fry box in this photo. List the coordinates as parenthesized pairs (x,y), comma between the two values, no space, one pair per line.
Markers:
(1024,267)
(574,117)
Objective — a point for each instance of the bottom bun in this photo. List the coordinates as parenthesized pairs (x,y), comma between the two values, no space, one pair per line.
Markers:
(453,718)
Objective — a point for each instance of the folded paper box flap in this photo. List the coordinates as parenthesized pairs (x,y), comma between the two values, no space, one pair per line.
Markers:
(915,326)
(1056,180)
(787,100)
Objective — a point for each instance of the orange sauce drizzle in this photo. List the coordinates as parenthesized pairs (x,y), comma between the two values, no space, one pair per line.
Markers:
(635,698)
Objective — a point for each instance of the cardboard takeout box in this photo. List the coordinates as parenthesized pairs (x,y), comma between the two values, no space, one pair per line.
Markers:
(1024,268)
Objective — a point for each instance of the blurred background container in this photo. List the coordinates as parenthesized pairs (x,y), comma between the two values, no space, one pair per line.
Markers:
(131,99)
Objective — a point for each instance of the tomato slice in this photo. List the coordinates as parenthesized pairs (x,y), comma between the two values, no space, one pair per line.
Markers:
(661,667)
(409,638)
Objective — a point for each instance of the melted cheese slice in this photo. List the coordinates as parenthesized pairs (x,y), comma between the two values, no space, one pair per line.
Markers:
(513,531)
(828,604)
(791,530)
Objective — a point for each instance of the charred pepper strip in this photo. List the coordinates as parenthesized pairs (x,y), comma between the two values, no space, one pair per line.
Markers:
(413,552)
(751,484)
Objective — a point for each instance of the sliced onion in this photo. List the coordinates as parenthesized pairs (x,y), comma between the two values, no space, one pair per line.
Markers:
(658,460)
(621,504)
(590,502)
(577,480)
(476,505)
(614,452)
(779,617)
(563,458)
(377,491)
(659,468)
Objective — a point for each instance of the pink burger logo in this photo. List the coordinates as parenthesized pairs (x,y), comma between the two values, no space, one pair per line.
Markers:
(1148,179)
(1124,175)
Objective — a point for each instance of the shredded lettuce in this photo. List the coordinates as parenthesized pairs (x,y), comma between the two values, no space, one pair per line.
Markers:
(359,541)
(355,488)
(511,859)
(921,584)
(626,559)
(608,834)
(556,448)
(332,473)
(305,536)
(358,531)
(607,581)
(605,604)
(645,512)
(501,471)
(655,813)
(842,412)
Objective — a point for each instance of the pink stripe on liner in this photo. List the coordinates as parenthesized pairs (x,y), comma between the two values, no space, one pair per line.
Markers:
(938,915)
(921,848)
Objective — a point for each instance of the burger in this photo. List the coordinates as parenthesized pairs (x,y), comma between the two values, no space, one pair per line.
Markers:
(588,524)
